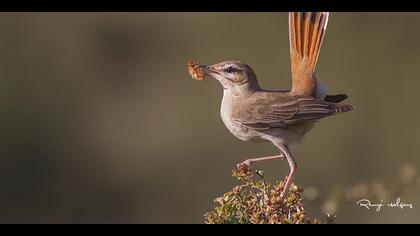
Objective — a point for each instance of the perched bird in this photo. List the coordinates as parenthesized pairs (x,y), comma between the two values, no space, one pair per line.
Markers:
(281,117)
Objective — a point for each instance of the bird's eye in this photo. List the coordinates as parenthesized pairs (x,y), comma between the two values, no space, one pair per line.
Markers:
(230,70)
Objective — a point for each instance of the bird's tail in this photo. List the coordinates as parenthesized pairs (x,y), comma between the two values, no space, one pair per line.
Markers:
(340,107)
(335,98)
(306,31)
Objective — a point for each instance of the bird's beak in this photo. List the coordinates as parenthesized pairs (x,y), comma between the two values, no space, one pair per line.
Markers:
(208,70)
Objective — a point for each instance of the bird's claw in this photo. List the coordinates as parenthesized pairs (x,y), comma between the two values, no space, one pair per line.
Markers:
(245,167)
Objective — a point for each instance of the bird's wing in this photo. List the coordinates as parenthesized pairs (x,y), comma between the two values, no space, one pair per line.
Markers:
(306,32)
(281,111)
(265,112)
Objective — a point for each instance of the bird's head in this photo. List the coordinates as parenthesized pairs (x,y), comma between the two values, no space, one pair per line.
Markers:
(232,75)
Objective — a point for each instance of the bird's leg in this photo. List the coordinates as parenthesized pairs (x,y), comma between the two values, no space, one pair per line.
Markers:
(247,164)
(251,161)
(293,167)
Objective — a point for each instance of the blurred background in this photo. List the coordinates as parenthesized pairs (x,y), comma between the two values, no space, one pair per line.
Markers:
(101,123)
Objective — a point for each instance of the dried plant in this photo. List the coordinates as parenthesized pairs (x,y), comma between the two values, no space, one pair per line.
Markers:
(256,201)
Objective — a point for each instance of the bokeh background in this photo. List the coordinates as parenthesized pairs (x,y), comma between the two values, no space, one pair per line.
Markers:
(101,123)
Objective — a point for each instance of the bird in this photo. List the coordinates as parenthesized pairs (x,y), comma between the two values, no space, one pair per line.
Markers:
(282,117)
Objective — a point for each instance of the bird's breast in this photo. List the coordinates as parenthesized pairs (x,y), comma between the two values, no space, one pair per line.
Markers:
(239,131)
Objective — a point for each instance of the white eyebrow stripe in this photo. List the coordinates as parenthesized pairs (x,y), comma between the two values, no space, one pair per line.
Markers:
(230,65)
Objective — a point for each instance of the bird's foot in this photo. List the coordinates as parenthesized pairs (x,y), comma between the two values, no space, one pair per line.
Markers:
(244,165)
(245,168)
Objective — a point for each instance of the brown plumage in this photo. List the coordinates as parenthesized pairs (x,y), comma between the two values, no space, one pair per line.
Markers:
(306,32)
